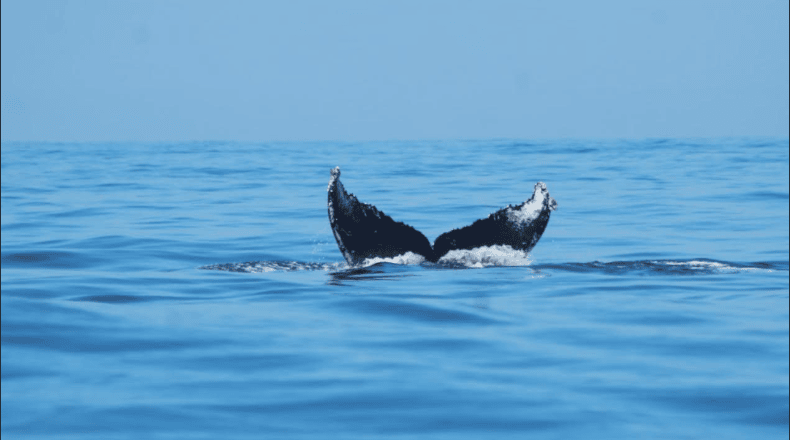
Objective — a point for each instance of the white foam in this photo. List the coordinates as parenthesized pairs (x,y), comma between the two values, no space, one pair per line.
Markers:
(486,256)
(409,258)
(697,264)
(708,265)
(276,266)
(259,268)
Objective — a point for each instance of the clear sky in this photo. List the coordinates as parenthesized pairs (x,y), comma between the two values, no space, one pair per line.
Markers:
(377,70)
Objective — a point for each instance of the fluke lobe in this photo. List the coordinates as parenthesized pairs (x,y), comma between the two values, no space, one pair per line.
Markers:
(362,231)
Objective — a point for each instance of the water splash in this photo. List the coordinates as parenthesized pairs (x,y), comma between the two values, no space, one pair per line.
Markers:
(409,258)
(487,256)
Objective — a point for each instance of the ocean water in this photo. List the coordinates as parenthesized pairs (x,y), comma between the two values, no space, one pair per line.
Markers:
(195,290)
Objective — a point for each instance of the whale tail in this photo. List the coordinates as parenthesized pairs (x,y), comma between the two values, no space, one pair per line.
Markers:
(362,231)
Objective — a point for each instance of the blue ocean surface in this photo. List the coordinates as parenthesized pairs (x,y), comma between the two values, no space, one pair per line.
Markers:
(195,290)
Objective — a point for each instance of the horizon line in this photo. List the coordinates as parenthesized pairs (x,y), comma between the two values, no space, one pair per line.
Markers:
(470,139)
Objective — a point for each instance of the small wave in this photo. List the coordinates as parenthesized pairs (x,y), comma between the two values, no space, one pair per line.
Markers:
(505,256)
(667,267)
(273,266)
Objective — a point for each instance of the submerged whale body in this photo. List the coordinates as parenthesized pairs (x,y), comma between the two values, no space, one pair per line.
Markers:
(362,231)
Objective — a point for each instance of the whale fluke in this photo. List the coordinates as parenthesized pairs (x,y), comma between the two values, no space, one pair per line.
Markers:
(362,231)
(519,227)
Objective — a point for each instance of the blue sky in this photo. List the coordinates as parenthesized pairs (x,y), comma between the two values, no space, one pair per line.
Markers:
(379,70)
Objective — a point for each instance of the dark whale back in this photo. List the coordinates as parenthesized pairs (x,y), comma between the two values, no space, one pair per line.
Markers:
(362,231)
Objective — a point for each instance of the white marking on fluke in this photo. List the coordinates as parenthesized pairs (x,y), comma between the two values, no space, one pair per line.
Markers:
(530,210)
